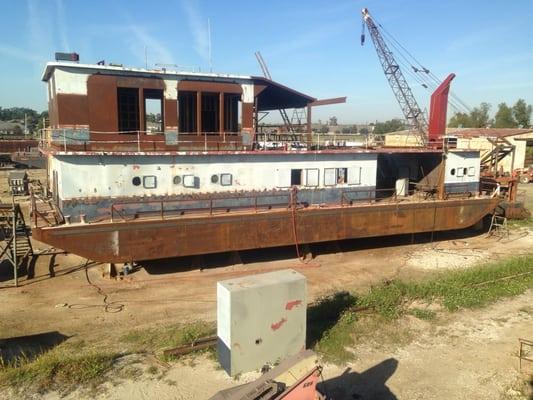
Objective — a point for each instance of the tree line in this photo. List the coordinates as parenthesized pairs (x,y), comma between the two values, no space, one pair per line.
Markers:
(516,116)
(34,119)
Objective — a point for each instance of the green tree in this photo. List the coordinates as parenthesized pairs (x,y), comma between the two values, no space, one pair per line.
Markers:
(522,113)
(477,118)
(480,117)
(364,131)
(460,120)
(324,129)
(392,125)
(504,117)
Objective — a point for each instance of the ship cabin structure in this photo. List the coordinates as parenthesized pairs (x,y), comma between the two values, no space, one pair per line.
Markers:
(146,164)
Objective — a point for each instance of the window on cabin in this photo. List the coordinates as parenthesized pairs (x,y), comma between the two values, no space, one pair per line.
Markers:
(210,112)
(153,111)
(187,111)
(231,112)
(330,176)
(128,110)
(226,179)
(296,177)
(311,178)
(149,182)
(471,171)
(342,175)
(452,171)
(460,172)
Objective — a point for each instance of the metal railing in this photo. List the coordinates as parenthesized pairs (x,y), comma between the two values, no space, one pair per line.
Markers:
(137,140)
(372,195)
(207,205)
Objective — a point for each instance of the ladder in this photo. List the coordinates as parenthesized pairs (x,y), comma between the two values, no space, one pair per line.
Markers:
(498,226)
(15,244)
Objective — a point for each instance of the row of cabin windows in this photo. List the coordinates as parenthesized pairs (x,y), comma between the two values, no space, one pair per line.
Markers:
(188,181)
(460,172)
(299,177)
(332,176)
(153,111)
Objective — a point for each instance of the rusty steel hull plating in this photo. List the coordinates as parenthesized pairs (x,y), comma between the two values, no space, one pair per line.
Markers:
(148,239)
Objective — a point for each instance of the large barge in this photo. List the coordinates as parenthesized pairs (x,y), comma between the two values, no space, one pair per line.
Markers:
(149,164)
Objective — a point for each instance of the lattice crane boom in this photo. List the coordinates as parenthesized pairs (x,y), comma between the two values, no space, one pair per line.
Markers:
(412,112)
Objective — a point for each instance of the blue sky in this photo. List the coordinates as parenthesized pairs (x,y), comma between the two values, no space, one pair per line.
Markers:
(312,46)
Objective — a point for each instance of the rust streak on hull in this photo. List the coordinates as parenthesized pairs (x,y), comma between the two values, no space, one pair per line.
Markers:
(147,239)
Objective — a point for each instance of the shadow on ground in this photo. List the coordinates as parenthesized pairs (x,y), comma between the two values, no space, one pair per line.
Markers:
(288,253)
(30,346)
(366,385)
(325,313)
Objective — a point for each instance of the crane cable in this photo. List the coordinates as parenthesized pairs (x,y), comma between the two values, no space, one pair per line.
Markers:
(404,53)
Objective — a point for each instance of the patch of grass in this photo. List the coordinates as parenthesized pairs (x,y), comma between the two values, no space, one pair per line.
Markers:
(520,223)
(426,315)
(155,340)
(62,369)
(471,288)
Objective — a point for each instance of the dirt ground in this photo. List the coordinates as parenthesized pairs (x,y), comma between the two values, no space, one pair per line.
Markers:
(473,350)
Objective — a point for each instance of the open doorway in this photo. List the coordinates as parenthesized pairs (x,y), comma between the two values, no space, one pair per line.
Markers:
(153,111)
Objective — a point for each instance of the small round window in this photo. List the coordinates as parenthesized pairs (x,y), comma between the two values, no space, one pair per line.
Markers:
(177,180)
(214,178)
(136,181)
(465,171)
(452,171)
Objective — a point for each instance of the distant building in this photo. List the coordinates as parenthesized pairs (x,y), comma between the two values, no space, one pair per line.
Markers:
(11,128)
(484,139)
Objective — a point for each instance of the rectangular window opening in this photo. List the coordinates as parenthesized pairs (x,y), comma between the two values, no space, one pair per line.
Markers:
(296,177)
(311,178)
(231,112)
(128,110)
(342,175)
(187,111)
(210,112)
(153,111)
(330,176)
(149,182)
(226,179)
(354,176)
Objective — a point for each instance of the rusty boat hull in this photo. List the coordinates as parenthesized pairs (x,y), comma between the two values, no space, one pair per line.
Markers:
(175,236)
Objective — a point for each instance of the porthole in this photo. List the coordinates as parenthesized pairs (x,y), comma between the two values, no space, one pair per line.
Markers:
(177,180)
(452,171)
(214,178)
(136,181)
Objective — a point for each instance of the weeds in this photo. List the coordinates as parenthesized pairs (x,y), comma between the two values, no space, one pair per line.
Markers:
(58,369)
(472,288)
(155,340)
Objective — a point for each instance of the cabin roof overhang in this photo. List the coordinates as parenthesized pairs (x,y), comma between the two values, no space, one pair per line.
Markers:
(271,95)
(275,96)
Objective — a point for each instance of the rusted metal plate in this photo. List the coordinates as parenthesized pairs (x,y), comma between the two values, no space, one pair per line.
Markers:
(148,239)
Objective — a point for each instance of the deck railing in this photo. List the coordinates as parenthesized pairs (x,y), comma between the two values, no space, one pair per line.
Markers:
(83,140)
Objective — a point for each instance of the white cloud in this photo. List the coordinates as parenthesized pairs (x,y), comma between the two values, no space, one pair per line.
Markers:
(198,28)
(61,25)
(139,38)
(15,52)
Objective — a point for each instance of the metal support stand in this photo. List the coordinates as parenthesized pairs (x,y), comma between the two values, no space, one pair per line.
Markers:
(16,246)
